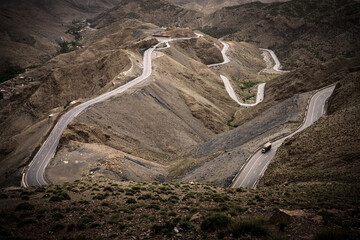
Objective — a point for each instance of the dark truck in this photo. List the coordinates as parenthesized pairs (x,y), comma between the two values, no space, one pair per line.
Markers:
(266,147)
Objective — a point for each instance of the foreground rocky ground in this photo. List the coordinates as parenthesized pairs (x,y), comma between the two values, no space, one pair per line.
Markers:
(95,208)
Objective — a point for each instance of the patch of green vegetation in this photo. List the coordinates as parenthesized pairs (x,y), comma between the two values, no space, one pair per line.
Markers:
(247,84)
(164,229)
(153,206)
(255,227)
(215,221)
(66,46)
(131,200)
(230,121)
(59,196)
(9,73)
(24,207)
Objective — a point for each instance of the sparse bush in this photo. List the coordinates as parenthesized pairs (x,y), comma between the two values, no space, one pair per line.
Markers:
(108,189)
(131,200)
(254,227)
(60,196)
(99,196)
(215,221)
(173,199)
(24,206)
(153,206)
(87,219)
(145,196)
(3,195)
(164,229)
(84,202)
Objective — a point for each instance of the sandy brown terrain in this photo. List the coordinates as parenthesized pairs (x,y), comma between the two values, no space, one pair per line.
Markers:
(29,29)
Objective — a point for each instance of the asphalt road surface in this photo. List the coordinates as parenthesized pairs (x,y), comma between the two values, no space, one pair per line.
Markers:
(276,60)
(261,87)
(256,166)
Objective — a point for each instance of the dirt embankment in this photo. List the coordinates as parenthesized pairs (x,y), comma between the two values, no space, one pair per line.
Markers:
(218,160)
(328,150)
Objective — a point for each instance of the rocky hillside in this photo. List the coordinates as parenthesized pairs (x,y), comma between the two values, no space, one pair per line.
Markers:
(73,76)
(327,151)
(158,12)
(302,32)
(211,6)
(29,30)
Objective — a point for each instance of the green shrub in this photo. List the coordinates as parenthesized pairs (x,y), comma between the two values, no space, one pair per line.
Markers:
(153,206)
(165,229)
(24,206)
(87,219)
(57,216)
(215,221)
(60,196)
(84,202)
(131,200)
(99,196)
(95,225)
(255,227)
(145,196)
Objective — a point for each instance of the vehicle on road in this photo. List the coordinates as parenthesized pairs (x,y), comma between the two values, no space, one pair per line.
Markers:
(266,147)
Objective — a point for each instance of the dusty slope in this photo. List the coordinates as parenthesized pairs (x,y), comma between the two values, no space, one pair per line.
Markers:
(81,74)
(302,32)
(327,151)
(96,208)
(211,6)
(158,12)
(29,29)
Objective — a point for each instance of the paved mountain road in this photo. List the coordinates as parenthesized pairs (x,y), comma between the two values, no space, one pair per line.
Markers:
(256,166)
(261,87)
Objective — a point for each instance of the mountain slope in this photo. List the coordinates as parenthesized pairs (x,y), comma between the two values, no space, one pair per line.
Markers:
(29,29)
(158,12)
(211,6)
(301,32)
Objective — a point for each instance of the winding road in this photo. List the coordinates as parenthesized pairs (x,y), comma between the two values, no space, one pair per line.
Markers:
(34,174)
(261,87)
(276,60)
(257,164)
